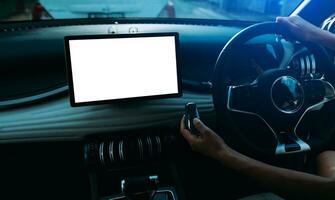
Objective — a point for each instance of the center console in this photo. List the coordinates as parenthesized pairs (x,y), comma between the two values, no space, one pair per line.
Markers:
(133,165)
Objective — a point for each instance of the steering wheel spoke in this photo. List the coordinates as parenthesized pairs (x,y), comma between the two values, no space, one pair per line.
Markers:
(317,92)
(242,98)
(290,143)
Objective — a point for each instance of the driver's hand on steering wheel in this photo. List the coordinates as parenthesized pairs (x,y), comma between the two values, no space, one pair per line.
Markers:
(207,142)
(300,28)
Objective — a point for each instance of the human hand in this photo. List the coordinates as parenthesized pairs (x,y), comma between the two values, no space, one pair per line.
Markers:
(207,142)
(300,29)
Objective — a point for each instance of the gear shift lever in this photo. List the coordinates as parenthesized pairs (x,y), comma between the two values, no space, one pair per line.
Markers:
(140,188)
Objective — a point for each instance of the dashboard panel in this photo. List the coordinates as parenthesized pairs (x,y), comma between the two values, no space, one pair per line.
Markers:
(57,120)
(42,68)
(35,101)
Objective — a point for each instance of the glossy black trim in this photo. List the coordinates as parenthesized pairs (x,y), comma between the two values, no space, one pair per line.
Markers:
(83,37)
(26,100)
(11,26)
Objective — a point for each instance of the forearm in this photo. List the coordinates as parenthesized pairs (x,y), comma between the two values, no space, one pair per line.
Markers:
(325,38)
(286,183)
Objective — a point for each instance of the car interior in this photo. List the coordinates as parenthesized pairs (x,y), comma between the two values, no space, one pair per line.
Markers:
(268,95)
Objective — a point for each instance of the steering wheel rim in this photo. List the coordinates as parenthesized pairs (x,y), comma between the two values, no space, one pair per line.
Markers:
(222,83)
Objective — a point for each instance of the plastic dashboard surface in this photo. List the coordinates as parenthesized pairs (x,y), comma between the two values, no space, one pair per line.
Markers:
(57,120)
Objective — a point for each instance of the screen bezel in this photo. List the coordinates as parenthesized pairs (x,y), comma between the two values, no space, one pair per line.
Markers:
(87,37)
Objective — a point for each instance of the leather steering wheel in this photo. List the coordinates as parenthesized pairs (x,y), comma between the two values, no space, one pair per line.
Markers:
(270,113)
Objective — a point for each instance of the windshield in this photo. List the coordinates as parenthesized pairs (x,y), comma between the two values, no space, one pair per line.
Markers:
(243,10)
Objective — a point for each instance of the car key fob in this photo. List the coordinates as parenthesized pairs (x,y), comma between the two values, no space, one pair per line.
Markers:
(191,112)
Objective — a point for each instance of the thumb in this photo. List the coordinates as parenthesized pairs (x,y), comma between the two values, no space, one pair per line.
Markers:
(280,20)
(284,21)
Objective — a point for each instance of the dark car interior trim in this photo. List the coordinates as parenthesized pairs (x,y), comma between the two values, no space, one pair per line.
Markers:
(50,150)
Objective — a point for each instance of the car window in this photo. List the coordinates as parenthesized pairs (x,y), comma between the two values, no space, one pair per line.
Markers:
(243,10)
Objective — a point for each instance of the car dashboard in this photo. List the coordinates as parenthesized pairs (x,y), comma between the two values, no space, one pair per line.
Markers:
(36,71)
(66,150)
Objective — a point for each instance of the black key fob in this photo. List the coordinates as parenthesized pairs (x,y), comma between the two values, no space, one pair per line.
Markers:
(191,112)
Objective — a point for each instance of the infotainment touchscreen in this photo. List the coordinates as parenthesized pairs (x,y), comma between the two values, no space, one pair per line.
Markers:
(106,68)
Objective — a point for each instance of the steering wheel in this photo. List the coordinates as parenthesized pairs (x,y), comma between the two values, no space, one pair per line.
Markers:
(272,113)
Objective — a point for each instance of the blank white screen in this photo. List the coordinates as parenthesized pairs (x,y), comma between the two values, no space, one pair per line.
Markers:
(117,68)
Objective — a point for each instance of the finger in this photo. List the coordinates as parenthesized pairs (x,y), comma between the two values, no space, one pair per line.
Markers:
(188,137)
(284,21)
(280,19)
(186,133)
(201,127)
(182,125)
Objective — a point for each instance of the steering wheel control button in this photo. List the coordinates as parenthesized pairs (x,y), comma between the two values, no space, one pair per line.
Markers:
(287,94)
